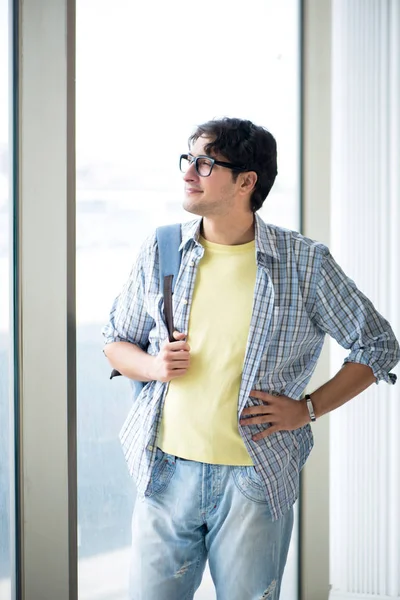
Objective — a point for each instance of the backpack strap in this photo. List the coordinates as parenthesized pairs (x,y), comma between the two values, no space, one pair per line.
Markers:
(169,255)
(168,241)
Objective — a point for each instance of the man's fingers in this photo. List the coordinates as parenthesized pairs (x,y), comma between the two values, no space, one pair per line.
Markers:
(262,409)
(177,373)
(182,345)
(258,420)
(171,348)
(258,394)
(264,396)
(172,356)
(179,342)
(179,364)
(264,434)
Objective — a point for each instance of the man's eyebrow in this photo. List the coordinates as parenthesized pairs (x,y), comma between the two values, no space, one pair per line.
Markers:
(202,155)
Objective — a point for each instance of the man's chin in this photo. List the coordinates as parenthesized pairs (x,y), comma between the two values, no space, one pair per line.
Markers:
(191,207)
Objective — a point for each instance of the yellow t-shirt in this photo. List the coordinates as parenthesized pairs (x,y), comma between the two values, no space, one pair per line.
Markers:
(200,420)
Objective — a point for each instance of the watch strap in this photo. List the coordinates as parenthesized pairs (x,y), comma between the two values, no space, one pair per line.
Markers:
(310,407)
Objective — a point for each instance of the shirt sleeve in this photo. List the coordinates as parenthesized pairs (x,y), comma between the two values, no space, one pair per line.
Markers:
(129,320)
(345,313)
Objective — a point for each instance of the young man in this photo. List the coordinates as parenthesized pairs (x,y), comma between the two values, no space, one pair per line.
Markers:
(217,438)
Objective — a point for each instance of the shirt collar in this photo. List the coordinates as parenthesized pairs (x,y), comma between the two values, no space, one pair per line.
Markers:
(265,236)
(190,231)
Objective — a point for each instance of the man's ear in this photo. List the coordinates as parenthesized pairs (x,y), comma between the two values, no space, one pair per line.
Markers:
(249,180)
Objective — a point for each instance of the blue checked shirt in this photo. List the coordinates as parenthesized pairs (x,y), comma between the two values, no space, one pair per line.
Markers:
(300,295)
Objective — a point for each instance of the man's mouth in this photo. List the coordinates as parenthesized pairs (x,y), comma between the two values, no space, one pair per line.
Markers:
(192,191)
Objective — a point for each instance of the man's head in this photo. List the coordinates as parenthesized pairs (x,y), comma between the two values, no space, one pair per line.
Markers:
(250,152)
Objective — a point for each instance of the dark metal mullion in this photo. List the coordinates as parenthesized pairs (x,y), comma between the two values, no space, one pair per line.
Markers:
(301,111)
(71,303)
(301,67)
(16,484)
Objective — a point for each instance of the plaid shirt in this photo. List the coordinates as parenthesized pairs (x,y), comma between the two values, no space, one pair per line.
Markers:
(300,294)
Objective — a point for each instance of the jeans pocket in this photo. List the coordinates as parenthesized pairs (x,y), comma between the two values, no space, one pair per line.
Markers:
(249,483)
(161,475)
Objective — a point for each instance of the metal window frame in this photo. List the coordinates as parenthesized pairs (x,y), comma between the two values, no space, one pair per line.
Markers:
(316,223)
(44,298)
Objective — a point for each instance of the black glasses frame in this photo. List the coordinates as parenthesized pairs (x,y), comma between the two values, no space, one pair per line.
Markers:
(220,163)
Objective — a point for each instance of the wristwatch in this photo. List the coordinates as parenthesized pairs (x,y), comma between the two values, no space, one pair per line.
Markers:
(310,407)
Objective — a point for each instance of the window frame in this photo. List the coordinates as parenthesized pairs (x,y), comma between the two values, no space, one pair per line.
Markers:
(45,350)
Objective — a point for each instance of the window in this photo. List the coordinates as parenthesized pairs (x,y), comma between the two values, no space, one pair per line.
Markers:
(143,83)
(5,329)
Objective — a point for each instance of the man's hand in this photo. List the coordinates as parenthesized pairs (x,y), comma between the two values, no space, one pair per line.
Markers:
(281,412)
(173,360)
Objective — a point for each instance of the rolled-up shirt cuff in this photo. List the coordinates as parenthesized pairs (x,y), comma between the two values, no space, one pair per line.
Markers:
(363,357)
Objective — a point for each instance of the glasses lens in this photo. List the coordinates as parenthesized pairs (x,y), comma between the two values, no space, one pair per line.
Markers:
(204,166)
(184,163)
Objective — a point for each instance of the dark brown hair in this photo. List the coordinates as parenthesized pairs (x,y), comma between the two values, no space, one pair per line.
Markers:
(243,143)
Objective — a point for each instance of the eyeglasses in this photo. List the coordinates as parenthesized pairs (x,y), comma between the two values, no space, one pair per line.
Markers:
(204,164)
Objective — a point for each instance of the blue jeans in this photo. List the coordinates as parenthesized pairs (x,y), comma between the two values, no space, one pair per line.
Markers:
(197,511)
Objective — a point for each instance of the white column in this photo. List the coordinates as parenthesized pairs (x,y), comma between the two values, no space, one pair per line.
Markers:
(364,436)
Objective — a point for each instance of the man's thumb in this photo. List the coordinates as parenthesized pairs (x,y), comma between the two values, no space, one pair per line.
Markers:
(179,336)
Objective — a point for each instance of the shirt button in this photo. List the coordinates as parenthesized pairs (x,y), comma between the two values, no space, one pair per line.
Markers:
(185,301)
(151,448)
(191,264)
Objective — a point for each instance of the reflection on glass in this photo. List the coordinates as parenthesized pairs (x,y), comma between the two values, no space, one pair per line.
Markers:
(140,92)
(5,566)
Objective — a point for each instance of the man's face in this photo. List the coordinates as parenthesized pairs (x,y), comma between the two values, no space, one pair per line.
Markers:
(215,195)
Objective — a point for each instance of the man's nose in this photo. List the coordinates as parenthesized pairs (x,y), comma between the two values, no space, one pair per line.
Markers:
(191,174)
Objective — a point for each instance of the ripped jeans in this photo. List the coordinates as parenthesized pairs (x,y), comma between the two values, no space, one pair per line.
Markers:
(198,511)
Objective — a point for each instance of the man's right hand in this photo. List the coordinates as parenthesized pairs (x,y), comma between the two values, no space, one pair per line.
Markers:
(173,359)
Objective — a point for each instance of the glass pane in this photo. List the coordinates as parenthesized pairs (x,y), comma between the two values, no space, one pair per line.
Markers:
(5,257)
(139,95)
